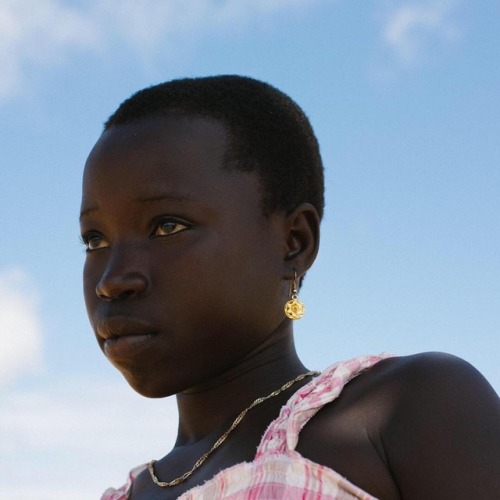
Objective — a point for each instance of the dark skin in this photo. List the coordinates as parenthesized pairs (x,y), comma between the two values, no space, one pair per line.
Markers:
(185,281)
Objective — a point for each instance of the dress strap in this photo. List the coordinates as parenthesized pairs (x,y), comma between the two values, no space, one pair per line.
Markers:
(282,435)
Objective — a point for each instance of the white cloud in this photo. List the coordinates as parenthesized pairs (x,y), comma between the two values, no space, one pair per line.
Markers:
(79,437)
(43,33)
(412,27)
(112,418)
(38,33)
(20,331)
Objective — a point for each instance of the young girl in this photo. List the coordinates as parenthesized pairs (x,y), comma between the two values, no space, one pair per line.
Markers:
(200,213)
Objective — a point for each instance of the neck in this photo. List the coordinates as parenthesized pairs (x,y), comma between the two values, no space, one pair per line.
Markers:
(209,407)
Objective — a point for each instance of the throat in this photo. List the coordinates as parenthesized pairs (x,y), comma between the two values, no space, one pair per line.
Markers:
(205,412)
(240,439)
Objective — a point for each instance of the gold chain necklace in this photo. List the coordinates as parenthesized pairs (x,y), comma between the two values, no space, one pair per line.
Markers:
(237,420)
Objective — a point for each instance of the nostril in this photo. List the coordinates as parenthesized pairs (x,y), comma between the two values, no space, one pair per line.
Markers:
(127,293)
(102,295)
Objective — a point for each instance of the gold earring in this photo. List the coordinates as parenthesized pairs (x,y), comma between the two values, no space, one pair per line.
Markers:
(294,308)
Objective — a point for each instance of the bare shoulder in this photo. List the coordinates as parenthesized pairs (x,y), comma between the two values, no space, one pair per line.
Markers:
(434,384)
(413,427)
(428,375)
(403,393)
(441,366)
(414,385)
(441,433)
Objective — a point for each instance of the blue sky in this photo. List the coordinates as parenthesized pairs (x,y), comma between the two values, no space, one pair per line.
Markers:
(404,97)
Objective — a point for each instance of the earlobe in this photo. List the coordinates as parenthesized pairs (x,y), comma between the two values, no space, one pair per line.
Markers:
(302,242)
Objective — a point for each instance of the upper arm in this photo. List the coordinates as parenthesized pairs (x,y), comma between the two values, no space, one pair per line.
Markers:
(443,437)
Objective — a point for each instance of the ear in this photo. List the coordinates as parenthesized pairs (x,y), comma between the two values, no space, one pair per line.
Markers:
(302,239)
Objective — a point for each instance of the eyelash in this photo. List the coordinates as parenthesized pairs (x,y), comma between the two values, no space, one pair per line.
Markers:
(86,238)
(167,220)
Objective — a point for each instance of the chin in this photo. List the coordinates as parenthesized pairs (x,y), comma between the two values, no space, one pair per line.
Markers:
(148,387)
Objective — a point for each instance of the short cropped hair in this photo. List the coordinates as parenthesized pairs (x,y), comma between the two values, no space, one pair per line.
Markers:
(268,132)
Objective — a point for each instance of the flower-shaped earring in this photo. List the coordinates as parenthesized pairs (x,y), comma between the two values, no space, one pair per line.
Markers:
(294,308)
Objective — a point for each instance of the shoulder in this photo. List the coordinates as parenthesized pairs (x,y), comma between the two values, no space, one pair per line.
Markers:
(418,383)
(426,426)
(440,415)
(397,384)
(401,380)
(424,364)
(427,394)
(410,387)
(432,364)
(401,397)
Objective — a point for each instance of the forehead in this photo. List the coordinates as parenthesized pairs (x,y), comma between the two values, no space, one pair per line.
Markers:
(159,141)
(178,155)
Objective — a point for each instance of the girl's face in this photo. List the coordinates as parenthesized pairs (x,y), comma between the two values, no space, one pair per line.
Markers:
(183,274)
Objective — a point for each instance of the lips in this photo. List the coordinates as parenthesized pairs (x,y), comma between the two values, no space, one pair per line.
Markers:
(121,326)
(123,338)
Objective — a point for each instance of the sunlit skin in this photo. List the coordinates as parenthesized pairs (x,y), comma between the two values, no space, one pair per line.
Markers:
(185,282)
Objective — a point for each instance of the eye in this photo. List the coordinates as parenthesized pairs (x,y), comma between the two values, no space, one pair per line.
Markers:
(167,227)
(94,241)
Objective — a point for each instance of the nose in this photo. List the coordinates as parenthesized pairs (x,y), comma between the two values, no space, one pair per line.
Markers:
(123,278)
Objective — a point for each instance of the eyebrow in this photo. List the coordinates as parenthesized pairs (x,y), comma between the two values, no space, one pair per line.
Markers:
(147,199)
(86,212)
(163,197)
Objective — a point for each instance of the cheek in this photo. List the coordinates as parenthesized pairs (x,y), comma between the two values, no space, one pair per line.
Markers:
(231,288)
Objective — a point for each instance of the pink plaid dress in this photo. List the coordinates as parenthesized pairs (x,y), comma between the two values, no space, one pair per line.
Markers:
(278,471)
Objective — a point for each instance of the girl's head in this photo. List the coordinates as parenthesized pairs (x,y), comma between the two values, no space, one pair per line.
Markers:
(200,199)
(267,132)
